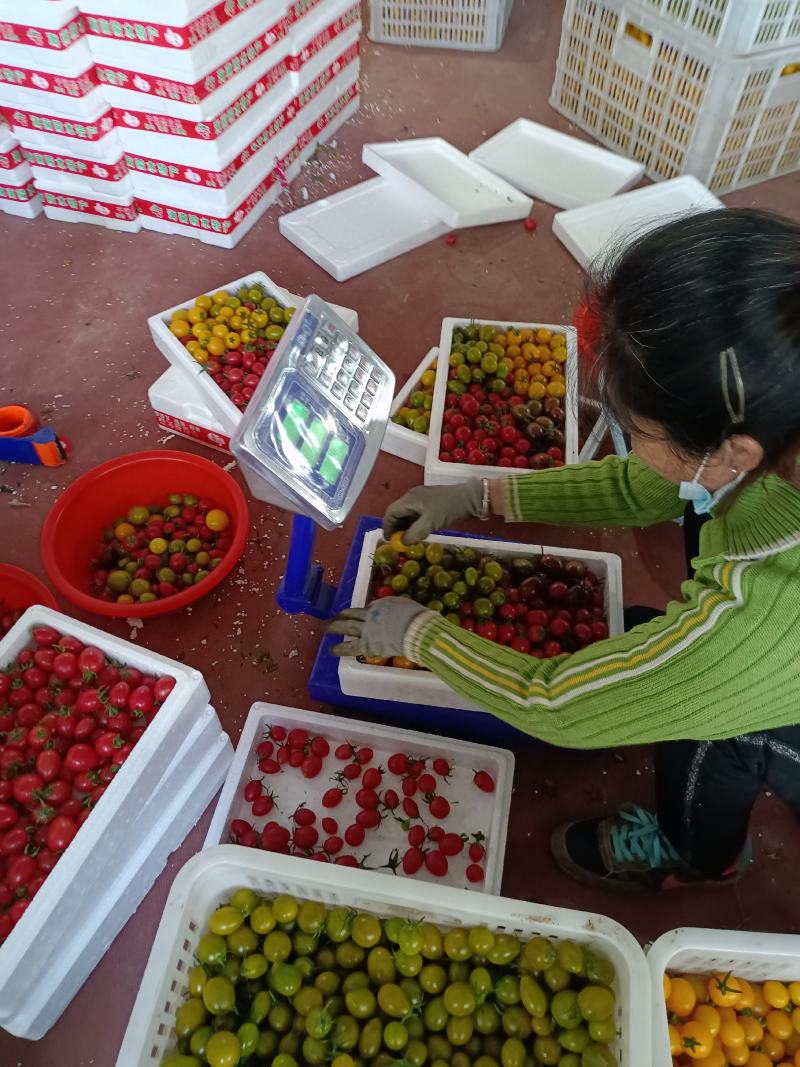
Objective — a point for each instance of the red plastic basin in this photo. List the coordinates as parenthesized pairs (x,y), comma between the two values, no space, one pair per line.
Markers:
(19,589)
(76,521)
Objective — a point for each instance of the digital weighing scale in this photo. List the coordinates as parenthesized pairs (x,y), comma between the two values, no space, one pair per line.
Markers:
(308,442)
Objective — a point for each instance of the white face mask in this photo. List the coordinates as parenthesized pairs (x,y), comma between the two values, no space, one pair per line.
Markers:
(703,500)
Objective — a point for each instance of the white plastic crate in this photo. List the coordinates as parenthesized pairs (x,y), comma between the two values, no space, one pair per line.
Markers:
(677,105)
(174,807)
(208,879)
(218,404)
(399,440)
(439,473)
(60,900)
(468,25)
(472,809)
(754,956)
(743,26)
(424,687)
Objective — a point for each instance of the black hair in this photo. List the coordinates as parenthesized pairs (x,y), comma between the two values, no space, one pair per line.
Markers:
(670,301)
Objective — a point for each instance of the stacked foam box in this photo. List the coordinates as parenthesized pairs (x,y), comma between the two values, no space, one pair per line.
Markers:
(17,193)
(206,101)
(51,98)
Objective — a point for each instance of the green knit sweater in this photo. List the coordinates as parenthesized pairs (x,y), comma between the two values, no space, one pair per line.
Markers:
(720,662)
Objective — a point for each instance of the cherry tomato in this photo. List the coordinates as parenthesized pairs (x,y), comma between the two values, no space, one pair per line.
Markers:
(60,833)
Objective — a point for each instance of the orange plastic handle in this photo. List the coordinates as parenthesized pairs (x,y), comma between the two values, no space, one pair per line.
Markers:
(17,421)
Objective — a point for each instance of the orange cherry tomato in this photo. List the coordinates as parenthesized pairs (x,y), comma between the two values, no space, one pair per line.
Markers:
(682,998)
(753,1030)
(709,1017)
(779,1024)
(738,1057)
(776,994)
(696,1040)
(745,1001)
(760,1005)
(724,990)
(732,1034)
(774,1047)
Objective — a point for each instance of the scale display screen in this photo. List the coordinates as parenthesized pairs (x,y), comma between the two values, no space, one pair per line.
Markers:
(316,421)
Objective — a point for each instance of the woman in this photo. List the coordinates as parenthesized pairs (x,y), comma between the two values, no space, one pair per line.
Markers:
(699,345)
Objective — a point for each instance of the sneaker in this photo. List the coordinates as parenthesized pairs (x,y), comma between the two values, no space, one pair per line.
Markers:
(627,852)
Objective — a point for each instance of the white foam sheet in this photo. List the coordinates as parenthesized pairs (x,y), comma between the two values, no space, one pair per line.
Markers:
(555,167)
(361,227)
(588,231)
(444,181)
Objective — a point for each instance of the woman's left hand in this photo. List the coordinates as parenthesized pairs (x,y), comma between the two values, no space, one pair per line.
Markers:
(377,631)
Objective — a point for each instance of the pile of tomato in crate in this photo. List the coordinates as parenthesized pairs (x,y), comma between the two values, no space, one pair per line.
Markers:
(69,718)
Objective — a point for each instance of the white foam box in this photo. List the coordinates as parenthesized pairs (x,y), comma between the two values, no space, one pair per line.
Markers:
(447,183)
(36,33)
(175,806)
(337,108)
(14,168)
(39,90)
(178,406)
(66,203)
(93,137)
(75,173)
(422,687)
(471,811)
(220,406)
(439,473)
(555,167)
(225,79)
(181,48)
(399,440)
(209,879)
(588,231)
(101,841)
(20,200)
(320,36)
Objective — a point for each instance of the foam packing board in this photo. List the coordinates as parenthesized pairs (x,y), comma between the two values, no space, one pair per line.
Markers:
(446,183)
(361,227)
(555,167)
(588,231)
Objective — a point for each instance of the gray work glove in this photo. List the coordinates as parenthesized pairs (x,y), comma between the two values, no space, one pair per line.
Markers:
(377,631)
(428,508)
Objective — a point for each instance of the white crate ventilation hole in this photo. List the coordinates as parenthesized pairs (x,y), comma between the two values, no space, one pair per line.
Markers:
(646,89)
(740,26)
(469,25)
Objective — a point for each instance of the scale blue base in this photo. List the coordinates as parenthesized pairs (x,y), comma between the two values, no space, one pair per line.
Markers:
(303,591)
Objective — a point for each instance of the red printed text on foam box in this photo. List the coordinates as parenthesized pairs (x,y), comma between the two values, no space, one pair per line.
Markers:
(145,31)
(36,37)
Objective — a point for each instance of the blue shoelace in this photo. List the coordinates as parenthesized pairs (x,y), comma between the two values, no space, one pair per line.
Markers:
(637,837)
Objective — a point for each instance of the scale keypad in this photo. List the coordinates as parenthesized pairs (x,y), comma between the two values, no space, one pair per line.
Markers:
(338,368)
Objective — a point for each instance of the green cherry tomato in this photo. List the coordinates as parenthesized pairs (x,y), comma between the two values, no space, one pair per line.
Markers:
(345,1033)
(190,1016)
(556,978)
(574,1040)
(534,998)
(223,1049)
(305,966)
(291,1044)
(285,908)
(571,957)
(199,1040)
(410,938)
(318,1023)
(355,980)
(306,999)
(598,1056)
(458,971)
(596,1003)
(178,1060)
(279,1017)
(395,1036)
(219,995)
(408,966)
(416,1053)
(349,955)
(225,920)
(366,931)
(212,950)
(285,978)
(262,919)
(487,1018)
(512,1053)
(547,1050)
(254,966)
(370,1039)
(480,940)
(277,946)
(506,990)
(311,917)
(481,982)
(565,1010)
(361,1003)
(460,1059)
(433,978)
(459,1031)
(413,990)
(338,923)
(260,1006)
(415,1027)
(393,1001)
(315,1051)
(303,944)
(603,1031)
(267,1044)
(248,1039)
(432,940)
(232,969)
(327,982)
(459,999)
(380,965)
(242,942)
(570,1059)
(542,1026)
(539,954)
(195,980)
(244,900)
(435,1015)
(504,951)
(486,1061)
(599,970)
(439,1048)
(456,945)
(516,1022)
(282,1060)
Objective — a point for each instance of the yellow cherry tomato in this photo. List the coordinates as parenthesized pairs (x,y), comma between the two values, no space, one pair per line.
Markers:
(753,1030)
(696,1041)
(773,1047)
(724,990)
(759,1059)
(666,985)
(699,983)
(709,1017)
(217,520)
(232,341)
(732,1034)
(556,389)
(745,1001)
(180,327)
(682,999)
(739,1056)
(675,1046)
(779,1024)
(776,994)
(760,1005)
(196,314)
(794,992)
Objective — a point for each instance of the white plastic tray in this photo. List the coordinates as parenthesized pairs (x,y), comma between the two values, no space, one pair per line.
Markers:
(754,956)
(447,183)
(59,902)
(224,410)
(423,687)
(554,166)
(361,227)
(399,440)
(439,473)
(472,809)
(174,807)
(587,231)
(208,879)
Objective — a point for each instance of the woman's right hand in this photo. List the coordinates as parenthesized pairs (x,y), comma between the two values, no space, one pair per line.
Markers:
(428,508)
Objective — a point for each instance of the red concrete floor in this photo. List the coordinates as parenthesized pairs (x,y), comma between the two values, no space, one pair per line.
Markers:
(75,347)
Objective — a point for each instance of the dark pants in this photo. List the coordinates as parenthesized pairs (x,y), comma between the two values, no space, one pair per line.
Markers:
(705,790)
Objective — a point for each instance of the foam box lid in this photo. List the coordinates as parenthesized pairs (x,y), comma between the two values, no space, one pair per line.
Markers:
(587,231)
(447,183)
(557,168)
(361,227)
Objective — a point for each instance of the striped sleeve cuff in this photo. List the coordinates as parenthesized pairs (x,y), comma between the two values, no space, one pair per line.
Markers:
(421,634)
(509,495)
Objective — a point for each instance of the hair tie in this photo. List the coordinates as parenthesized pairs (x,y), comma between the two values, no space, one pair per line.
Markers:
(727,359)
